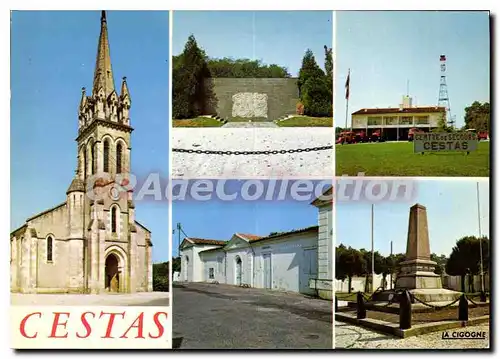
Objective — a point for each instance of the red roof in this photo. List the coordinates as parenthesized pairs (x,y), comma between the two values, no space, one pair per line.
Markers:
(394,110)
(249,237)
(206,241)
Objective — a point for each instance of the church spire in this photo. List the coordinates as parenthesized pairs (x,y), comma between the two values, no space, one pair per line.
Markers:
(103,74)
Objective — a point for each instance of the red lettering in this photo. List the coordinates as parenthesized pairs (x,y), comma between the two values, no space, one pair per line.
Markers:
(86,325)
(140,326)
(56,323)
(110,323)
(22,328)
(158,324)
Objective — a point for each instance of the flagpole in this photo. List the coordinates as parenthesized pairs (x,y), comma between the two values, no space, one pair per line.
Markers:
(348,85)
(373,258)
(480,238)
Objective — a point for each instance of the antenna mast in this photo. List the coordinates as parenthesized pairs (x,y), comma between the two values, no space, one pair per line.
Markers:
(443,99)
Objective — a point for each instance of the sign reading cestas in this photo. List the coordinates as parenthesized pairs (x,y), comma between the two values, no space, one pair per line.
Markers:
(441,142)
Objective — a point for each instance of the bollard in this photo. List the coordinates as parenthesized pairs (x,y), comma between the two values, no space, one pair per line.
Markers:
(336,304)
(404,310)
(361,310)
(483,297)
(463,309)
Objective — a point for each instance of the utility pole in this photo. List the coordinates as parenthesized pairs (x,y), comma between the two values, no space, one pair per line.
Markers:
(480,238)
(373,258)
(390,285)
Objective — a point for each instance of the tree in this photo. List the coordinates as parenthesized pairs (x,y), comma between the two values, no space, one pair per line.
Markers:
(192,92)
(477,116)
(442,124)
(316,97)
(348,264)
(441,263)
(308,70)
(329,66)
(367,265)
(245,68)
(160,277)
(464,259)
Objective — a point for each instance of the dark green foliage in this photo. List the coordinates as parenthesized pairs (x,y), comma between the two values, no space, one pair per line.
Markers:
(477,116)
(192,95)
(316,87)
(317,97)
(245,68)
(465,258)
(160,277)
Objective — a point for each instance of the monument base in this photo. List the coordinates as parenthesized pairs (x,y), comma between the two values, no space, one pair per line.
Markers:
(435,295)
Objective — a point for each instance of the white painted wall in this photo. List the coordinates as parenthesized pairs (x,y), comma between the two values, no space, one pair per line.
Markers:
(246,265)
(215,260)
(358,283)
(192,270)
(325,242)
(293,262)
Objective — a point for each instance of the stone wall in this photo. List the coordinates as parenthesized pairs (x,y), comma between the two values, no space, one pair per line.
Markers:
(267,98)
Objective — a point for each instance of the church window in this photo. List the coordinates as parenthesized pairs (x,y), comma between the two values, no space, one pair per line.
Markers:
(106,156)
(211,273)
(113,220)
(119,158)
(49,248)
(92,155)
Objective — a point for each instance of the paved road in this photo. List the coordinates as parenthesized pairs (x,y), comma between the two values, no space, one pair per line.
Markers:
(250,125)
(314,164)
(208,316)
(348,336)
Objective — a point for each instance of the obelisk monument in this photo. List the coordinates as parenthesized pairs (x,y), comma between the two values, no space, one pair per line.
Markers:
(417,271)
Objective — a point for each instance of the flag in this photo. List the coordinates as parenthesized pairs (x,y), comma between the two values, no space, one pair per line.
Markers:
(347,85)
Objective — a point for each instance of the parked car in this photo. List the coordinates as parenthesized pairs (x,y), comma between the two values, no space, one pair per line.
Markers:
(346,137)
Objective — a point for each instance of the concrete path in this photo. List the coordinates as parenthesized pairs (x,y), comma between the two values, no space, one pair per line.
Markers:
(349,336)
(303,165)
(209,316)
(250,125)
(134,299)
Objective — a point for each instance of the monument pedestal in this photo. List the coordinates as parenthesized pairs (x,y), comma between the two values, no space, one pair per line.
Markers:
(417,271)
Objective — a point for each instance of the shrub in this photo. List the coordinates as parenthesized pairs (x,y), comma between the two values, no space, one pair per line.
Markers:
(160,284)
(317,97)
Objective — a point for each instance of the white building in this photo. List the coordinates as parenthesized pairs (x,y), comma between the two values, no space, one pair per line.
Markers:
(296,261)
(395,123)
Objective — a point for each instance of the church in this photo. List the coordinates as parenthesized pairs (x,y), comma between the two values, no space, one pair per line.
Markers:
(86,244)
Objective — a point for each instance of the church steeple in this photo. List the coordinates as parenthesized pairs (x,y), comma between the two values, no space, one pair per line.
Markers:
(103,74)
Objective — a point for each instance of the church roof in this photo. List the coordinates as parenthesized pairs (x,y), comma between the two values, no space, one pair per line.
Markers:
(103,73)
(76,185)
(249,237)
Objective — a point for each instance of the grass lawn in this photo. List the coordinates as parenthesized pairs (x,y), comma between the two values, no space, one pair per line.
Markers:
(305,121)
(398,159)
(197,122)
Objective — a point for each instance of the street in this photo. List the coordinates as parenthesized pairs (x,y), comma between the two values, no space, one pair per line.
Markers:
(210,316)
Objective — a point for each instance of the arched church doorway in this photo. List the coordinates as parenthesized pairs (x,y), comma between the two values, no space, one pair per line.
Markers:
(112,274)
(238,270)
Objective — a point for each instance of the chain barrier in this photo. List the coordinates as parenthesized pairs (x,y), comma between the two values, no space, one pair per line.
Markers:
(344,297)
(437,307)
(266,152)
(470,300)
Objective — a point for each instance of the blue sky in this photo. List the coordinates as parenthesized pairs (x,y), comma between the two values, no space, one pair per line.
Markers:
(385,49)
(279,37)
(451,214)
(218,219)
(52,58)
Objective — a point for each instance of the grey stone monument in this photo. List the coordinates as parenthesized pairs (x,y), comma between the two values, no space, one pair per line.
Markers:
(417,271)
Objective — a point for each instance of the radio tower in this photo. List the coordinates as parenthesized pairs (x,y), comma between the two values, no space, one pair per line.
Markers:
(444,100)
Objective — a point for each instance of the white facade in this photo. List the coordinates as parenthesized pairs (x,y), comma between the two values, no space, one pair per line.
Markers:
(296,261)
